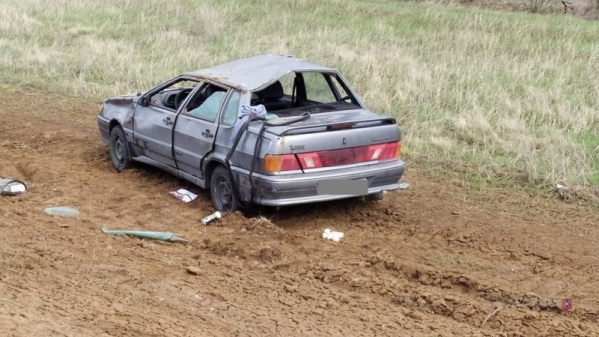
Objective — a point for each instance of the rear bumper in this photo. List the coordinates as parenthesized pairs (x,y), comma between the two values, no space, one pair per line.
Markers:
(302,188)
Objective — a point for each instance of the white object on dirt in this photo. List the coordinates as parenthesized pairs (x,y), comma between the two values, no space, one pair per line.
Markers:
(12,187)
(62,211)
(184,195)
(211,217)
(404,186)
(332,235)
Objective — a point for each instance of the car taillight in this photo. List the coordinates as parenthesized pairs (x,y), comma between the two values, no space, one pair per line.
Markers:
(391,151)
(387,151)
(278,163)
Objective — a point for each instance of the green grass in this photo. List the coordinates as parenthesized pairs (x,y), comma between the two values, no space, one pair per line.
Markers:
(493,96)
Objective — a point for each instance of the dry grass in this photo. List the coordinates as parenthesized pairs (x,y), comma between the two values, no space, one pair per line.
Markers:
(262,222)
(588,9)
(509,95)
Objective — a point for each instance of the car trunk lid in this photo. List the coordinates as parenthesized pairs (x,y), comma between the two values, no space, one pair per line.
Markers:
(333,140)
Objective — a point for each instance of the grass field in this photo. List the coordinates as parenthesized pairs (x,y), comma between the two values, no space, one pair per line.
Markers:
(495,96)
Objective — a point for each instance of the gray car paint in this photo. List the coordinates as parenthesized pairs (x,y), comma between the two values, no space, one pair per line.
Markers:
(151,138)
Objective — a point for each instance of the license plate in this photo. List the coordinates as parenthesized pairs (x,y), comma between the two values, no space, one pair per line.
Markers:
(357,187)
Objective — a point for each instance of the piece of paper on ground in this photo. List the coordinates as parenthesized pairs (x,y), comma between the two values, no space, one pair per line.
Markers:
(184,195)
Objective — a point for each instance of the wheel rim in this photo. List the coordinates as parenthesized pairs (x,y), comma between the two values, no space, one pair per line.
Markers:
(119,151)
(224,195)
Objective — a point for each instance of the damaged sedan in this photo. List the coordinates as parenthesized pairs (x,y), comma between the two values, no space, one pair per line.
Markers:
(267,130)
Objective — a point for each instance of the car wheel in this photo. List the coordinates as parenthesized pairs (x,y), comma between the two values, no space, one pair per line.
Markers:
(119,149)
(375,197)
(221,191)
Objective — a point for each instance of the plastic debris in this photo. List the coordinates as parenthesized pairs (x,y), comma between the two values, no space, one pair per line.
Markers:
(404,186)
(562,190)
(211,217)
(184,195)
(332,235)
(62,211)
(163,236)
(12,187)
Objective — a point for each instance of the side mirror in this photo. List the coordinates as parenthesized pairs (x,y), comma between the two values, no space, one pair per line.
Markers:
(143,101)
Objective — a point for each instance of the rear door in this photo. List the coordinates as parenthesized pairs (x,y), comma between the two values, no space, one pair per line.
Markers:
(196,127)
(153,122)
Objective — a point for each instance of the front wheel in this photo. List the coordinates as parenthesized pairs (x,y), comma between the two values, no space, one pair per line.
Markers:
(119,149)
(221,191)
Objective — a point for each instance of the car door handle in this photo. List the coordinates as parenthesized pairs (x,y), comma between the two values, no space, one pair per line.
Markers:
(167,121)
(207,133)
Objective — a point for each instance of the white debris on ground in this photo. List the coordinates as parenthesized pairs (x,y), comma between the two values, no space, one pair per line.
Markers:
(12,187)
(562,190)
(62,211)
(211,217)
(184,195)
(332,235)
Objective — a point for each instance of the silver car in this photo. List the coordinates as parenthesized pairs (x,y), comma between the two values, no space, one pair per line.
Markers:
(267,130)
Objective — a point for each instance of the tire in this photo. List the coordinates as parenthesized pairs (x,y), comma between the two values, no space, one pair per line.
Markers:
(221,191)
(375,197)
(119,149)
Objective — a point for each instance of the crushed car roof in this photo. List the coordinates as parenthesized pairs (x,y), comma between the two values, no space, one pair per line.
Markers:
(256,71)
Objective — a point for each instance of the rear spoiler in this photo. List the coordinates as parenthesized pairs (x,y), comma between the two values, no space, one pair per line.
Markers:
(341,125)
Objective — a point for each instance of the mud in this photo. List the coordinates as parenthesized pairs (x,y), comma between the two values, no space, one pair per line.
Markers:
(434,260)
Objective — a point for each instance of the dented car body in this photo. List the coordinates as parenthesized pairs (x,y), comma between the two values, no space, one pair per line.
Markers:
(316,142)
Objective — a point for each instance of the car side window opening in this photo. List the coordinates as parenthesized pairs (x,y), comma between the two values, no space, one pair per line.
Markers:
(311,91)
(318,89)
(173,95)
(212,97)
(231,109)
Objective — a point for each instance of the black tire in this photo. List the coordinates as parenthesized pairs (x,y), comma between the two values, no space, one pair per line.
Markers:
(119,149)
(221,191)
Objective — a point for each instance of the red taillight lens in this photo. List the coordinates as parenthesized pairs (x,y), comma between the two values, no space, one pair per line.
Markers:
(278,163)
(391,151)
(309,160)
(349,156)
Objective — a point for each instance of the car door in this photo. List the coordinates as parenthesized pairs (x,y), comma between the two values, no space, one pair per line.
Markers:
(195,130)
(153,122)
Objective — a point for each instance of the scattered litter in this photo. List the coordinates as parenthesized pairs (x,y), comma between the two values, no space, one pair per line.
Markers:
(12,187)
(184,195)
(332,235)
(404,186)
(62,211)
(211,217)
(562,190)
(163,236)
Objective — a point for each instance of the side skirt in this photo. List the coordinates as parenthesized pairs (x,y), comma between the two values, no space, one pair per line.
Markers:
(177,173)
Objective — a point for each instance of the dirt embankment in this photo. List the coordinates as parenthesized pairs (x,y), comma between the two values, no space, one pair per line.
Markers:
(435,260)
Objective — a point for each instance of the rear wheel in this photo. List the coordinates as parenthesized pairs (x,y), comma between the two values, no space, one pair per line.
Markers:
(221,191)
(119,149)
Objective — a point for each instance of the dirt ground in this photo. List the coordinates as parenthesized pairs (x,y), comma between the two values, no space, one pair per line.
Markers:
(434,260)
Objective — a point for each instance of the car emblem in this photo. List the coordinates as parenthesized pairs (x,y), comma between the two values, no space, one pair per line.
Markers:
(344,141)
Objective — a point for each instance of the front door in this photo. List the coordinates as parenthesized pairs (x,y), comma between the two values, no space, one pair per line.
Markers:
(196,127)
(153,123)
